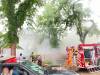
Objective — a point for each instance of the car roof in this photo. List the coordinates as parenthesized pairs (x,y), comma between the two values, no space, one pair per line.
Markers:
(9,63)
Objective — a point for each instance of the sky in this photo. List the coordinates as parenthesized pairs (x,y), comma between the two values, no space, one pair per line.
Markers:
(94,6)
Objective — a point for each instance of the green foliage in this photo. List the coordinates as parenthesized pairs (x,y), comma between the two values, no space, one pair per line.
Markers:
(92,30)
(58,16)
(83,31)
(79,16)
(16,17)
(50,22)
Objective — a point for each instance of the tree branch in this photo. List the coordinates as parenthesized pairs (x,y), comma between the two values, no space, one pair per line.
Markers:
(22,11)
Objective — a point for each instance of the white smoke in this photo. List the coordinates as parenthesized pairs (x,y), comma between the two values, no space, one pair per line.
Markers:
(30,42)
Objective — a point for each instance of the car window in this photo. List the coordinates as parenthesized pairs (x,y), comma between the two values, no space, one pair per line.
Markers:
(39,70)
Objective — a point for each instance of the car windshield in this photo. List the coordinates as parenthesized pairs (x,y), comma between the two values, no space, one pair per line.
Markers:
(34,67)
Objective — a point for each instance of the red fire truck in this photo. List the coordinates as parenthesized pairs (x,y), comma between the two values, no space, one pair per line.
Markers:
(86,56)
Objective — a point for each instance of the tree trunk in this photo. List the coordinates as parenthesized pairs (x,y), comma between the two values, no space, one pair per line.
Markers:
(0,51)
(82,39)
(13,49)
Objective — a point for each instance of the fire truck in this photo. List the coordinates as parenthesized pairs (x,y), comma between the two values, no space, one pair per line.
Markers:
(85,56)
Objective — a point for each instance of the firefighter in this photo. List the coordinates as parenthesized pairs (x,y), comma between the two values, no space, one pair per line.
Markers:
(70,55)
(33,58)
(39,60)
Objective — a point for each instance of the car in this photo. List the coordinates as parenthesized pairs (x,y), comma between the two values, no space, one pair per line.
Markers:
(24,68)
(59,71)
(63,73)
(29,68)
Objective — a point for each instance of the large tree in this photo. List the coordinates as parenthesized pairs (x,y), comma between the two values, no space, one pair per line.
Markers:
(16,12)
(84,31)
(58,15)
